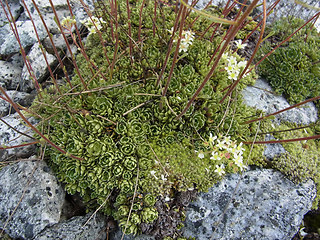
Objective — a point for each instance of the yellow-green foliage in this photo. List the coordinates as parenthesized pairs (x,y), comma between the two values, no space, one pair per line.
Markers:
(302,159)
(126,133)
(293,69)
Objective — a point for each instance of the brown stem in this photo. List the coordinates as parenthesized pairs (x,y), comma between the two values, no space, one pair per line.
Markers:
(14,29)
(283,110)
(41,47)
(284,140)
(14,105)
(253,54)
(175,56)
(68,46)
(20,145)
(169,47)
(234,30)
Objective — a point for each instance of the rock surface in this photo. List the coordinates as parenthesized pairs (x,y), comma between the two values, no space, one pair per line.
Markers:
(32,183)
(9,44)
(9,75)
(261,97)
(75,228)
(39,67)
(285,8)
(15,8)
(10,137)
(22,98)
(265,206)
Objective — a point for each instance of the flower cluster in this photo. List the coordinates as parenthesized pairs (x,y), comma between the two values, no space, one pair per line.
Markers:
(240,45)
(93,24)
(225,154)
(68,23)
(186,40)
(233,66)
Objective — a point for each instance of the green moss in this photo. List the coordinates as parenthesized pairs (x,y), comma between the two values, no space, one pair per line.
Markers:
(133,148)
(293,70)
(302,159)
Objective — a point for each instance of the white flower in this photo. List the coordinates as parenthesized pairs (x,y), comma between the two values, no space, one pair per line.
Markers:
(93,24)
(239,148)
(163,178)
(240,45)
(238,159)
(153,174)
(68,22)
(212,138)
(227,140)
(229,68)
(242,64)
(220,170)
(188,36)
(233,75)
(242,166)
(232,60)
(215,156)
(224,56)
(167,199)
(221,144)
(201,155)
(183,47)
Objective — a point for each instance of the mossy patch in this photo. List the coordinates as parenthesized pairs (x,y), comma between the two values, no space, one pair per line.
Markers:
(134,150)
(293,69)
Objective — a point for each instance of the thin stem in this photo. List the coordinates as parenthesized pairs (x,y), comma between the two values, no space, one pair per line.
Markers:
(284,140)
(234,30)
(41,47)
(169,47)
(14,29)
(65,73)
(284,41)
(283,110)
(175,56)
(15,106)
(68,46)
(253,54)
(129,29)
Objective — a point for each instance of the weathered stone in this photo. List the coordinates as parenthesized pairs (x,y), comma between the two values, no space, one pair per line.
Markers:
(8,42)
(39,67)
(285,8)
(22,98)
(10,137)
(118,235)
(260,96)
(10,75)
(15,9)
(274,149)
(58,42)
(266,205)
(77,228)
(31,199)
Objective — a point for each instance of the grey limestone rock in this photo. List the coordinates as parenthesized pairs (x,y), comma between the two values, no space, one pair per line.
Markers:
(10,75)
(10,137)
(285,8)
(58,42)
(274,149)
(9,44)
(39,67)
(22,98)
(75,228)
(31,197)
(261,97)
(118,235)
(15,9)
(265,206)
